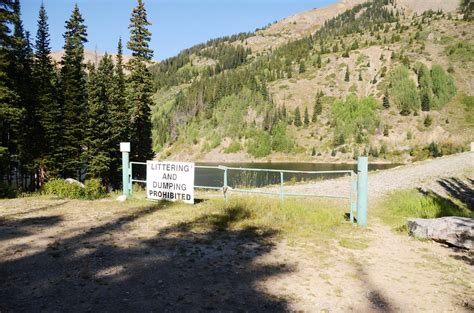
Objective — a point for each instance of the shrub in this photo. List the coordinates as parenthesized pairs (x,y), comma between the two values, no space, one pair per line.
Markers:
(62,189)
(354,118)
(259,145)
(434,150)
(92,189)
(233,147)
(280,140)
(443,86)
(428,121)
(6,191)
(403,91)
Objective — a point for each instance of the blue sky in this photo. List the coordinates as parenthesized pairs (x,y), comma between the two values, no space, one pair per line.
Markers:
(177,24)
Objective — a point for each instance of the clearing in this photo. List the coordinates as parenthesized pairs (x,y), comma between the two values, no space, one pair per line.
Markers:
(249,255)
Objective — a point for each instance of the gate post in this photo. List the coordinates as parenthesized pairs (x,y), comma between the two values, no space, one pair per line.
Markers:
(362,190)
(125,149)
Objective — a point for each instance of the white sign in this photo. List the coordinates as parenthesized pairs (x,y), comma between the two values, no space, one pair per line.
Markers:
(172,181)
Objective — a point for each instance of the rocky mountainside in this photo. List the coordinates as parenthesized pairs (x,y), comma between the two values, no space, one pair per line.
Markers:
(392,79)
(93,57)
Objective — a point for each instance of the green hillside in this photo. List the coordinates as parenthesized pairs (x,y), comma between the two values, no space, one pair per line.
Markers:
(372,80)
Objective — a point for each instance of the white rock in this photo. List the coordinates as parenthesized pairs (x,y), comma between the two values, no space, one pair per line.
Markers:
(457,231)
(122,198)
(74,181)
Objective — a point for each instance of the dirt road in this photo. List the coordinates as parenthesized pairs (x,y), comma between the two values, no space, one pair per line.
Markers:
(61,256)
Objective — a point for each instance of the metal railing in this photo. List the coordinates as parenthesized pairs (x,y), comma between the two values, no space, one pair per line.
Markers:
(351,196)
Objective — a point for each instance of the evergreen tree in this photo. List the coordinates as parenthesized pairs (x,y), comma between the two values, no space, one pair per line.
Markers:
(297,121)
(30,133)
(318,60)
(99,140)
(120,117)
(302,68)
(139,89)
(306,117)
(314,117)
(318,106)
(73,84)
(10,112)
(347,75)
(49,108)
(360,76)
(385,100)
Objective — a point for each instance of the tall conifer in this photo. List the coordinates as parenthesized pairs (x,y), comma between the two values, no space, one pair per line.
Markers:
(73,84)
(99,139)
(30,134)
(50,114)
(10,113)
(139,87)
(120,117)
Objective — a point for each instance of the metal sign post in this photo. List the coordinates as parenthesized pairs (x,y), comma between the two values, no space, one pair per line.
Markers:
(125,149)
(362,190)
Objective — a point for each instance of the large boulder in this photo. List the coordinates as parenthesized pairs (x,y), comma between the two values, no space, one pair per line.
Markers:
(453,230)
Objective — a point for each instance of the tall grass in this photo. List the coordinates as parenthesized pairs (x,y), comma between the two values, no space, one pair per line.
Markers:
(291,217)
(397,207)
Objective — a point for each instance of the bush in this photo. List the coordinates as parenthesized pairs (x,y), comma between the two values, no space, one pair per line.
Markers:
(280,139)
(403,91)
(260,144)
(428,121)
(233,147)
(6,191)
(443,86)
(354,118)
(92,189)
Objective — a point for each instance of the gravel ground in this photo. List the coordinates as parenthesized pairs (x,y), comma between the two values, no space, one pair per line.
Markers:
(104,256)
(427,175)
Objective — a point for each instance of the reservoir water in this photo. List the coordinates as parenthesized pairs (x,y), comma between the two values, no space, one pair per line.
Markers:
(249,179)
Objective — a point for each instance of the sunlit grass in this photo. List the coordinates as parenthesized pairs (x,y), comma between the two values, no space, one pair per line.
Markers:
(397,207)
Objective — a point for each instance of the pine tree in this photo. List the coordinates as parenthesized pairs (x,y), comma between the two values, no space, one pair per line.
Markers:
(139,89)
(318,60)
(302,68)
(30,134)
(318,106)
(10,112)
(314,117)
(99,139)
(73,84)
(49,108)
(120,117)
(306,117)
(347,77)
(385,100)
(297,121)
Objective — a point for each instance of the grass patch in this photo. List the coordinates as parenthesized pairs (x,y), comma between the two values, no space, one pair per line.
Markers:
(353,243)
(292,217)
(397,207)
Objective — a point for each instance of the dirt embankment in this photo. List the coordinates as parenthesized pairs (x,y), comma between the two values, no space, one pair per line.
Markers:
(426,175)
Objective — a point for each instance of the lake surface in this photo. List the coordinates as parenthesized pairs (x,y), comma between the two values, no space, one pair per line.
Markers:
(249,179)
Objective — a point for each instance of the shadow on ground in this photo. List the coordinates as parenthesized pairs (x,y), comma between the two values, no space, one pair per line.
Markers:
(460,190)
(175,271)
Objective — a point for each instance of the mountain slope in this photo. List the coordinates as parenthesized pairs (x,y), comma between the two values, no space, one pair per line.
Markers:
(235,99)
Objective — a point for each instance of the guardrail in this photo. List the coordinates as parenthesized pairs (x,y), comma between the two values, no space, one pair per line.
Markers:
(226,189)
